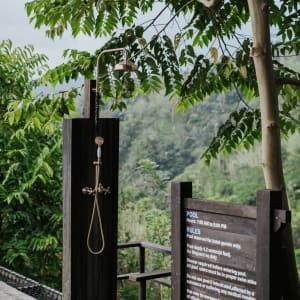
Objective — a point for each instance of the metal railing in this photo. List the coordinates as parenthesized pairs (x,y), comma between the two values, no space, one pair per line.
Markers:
(42,292)
(142,277)
(28,286)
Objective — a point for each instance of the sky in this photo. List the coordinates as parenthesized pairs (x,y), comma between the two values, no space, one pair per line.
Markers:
(14,25)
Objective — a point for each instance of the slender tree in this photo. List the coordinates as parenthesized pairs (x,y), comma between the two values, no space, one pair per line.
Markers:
(270,126)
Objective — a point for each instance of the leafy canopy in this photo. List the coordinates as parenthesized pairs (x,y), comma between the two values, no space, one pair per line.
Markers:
(206,53)
(30,168)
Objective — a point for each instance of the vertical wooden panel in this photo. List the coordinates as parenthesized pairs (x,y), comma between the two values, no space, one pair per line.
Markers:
(67,195)
(87,276)
(179,191)
(89,104)
(268,262)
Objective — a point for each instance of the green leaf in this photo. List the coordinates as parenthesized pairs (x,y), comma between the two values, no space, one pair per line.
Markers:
(214,54)
(177,40)
(143,44)
(243,71)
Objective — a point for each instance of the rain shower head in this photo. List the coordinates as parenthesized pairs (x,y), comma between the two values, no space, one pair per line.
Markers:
(125,66)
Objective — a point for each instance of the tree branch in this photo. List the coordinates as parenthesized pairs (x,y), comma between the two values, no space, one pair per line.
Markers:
(166,25)
(156,18)
(282,80)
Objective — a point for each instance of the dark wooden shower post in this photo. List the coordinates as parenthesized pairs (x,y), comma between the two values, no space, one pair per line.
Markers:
(87,276)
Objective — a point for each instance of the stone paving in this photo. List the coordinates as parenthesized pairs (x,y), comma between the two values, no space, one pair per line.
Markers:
(9,293)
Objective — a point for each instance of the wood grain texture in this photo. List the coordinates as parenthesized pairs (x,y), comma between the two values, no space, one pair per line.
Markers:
(229,209)
(220,245)
(212,240)
(87,276)
(269,272)
(179,191)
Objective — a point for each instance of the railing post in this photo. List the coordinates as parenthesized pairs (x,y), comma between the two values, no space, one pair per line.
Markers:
(179,191)
(143,285)
(143,289)
(142,259)
(269,272)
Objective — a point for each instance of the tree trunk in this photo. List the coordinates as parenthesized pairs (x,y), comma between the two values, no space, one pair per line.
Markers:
(271,141)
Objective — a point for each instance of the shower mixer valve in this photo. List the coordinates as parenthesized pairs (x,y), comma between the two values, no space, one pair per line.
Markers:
(100,189)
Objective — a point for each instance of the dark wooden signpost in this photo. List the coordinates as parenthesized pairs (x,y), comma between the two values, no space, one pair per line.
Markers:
(225,251)
(87,276)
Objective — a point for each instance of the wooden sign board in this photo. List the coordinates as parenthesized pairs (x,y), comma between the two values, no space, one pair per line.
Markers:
(220,261)
(223,251)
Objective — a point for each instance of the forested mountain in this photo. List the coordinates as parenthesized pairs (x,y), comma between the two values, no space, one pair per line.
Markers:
(174,142)
(151,129)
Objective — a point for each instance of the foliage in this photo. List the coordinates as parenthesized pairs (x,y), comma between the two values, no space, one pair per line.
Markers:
(171,140)
(144,218)
(292,159)
(177,60)
(126,293)
(30,170)
(297,252)
(225,181)
(234,179)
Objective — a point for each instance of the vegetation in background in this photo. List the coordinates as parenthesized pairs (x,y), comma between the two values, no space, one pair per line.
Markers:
(30,167)
(206,52)
(235,178)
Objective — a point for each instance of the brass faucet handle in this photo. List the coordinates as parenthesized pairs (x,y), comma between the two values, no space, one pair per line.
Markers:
(87,191)
(102,189)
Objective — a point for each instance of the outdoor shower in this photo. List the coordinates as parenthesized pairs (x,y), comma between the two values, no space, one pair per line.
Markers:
(125,66)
